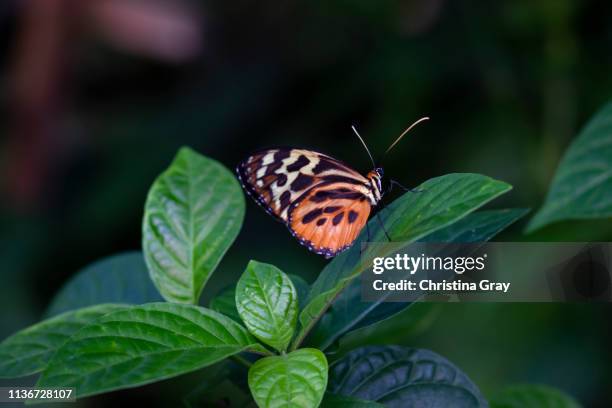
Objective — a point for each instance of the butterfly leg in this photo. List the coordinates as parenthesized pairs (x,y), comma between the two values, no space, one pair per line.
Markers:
(361,248)
(382,225)
(396,183)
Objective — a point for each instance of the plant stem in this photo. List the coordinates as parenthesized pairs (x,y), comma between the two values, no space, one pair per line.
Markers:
(262,351)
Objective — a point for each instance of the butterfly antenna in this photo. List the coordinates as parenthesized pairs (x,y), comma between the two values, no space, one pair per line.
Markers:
(404,132)
(364,145)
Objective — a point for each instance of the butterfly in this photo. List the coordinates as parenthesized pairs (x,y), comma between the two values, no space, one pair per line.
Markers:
(324,202)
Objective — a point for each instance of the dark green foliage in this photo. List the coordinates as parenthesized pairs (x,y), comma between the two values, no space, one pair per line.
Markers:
(194,211)
(122,278)
(403,377)
(582,186)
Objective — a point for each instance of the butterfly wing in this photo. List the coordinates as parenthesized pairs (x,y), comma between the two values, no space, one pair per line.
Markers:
(278,178)
(329,219)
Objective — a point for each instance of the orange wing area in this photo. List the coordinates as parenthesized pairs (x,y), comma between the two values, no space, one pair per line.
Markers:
(328,220)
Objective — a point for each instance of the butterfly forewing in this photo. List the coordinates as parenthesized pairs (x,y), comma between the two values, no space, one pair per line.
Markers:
(292,183)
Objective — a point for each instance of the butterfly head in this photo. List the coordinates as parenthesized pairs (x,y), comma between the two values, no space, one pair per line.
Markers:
(375,176)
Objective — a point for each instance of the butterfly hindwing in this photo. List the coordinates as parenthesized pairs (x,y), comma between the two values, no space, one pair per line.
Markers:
(329,219)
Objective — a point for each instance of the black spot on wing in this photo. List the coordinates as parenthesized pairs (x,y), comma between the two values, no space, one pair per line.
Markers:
(301,161)
(338,218)
(311,216)
(324,195)
(281,179)
(352,216)
(272,167)
(301,182)
(331,209)
(321,195)
(350,196)
(343,179)
(325,165)
(321,221)
(282,154)
(285,200)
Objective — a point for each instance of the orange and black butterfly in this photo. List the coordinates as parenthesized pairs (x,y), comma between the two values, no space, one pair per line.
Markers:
(324,203)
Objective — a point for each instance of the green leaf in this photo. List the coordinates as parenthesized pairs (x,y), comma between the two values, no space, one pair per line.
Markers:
(193,213)
(582,185)
(532,396)
(341,401)
(141,344)
(480,226)
(403,377)
(121,278)
(267,303)
(444,201)
(225,302)
(294,380)
(29,350)
(348,312)
(302,287)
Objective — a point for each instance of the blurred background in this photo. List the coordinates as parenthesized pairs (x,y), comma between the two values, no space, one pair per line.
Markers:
(96,96)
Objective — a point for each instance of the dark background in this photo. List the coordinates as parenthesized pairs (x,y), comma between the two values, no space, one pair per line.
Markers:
(97,96)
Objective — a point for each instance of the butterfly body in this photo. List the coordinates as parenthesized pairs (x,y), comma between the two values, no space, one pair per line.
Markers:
(323,202)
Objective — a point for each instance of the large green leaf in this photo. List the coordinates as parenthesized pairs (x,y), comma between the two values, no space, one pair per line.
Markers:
(582,185)
(532,396)
(348,312)
(121,278)
(479,226)
(444,201)
(403,377)
(29,350)
(193,213)
(294,380)
(267,304)
(141,344)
